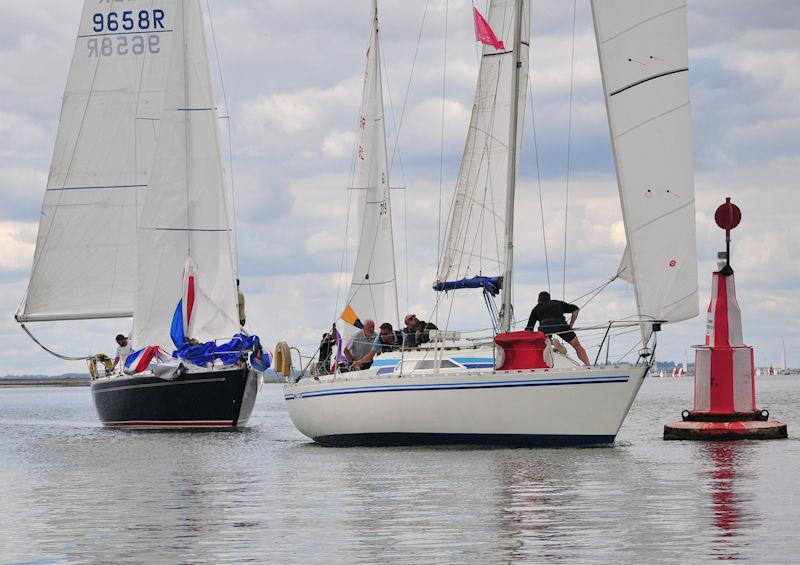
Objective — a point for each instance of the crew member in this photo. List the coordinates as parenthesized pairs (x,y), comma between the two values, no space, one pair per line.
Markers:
(124,348)
(550,315)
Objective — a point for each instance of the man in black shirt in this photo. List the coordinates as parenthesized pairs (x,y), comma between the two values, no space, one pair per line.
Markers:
(416,331)
(550,315)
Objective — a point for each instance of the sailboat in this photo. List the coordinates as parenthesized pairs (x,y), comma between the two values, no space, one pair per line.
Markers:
(513,388)
(784,366)
(137,185)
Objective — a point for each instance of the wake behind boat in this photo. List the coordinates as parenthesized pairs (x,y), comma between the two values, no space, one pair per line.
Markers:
(137,182)
(515,388)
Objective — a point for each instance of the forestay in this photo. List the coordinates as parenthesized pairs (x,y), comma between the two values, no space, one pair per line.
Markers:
(84,265)
(475,241)
(373,290)
(185,212)
(643,49)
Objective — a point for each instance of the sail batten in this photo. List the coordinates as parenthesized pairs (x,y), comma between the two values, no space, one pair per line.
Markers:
(84,264)
(185,219)
(373,288)
(643,51)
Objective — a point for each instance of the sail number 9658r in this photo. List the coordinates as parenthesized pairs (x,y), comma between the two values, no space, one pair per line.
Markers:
(143,20)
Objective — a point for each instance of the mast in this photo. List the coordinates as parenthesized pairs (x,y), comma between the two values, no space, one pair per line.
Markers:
(506,311)
(784,366)
(386,186)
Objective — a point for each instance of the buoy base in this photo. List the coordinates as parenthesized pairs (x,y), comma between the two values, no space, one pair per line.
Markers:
(731,430)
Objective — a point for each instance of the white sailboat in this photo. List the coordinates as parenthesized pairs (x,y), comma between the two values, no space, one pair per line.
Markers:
(513,389)
(784,365)
(137,184)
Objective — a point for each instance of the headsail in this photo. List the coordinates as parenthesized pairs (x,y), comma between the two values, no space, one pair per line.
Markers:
(373,290)
(84,263)
(475,241)
(185,212)
(643,49)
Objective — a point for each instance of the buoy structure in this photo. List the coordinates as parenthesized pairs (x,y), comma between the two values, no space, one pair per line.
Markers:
(724,382)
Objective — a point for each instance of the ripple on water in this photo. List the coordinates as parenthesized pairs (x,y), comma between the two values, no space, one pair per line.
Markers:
(74,492)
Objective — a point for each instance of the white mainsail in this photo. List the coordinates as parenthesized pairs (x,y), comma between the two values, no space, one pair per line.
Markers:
(185,212)
(84,265)
(373,290)
(643,50)
(475,241)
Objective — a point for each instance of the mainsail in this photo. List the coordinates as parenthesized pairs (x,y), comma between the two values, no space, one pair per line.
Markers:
(185,211)
(373,290)
(84,265)
(475,241)
(643,49)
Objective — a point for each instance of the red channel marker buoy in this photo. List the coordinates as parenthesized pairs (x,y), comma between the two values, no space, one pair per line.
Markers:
(724,372)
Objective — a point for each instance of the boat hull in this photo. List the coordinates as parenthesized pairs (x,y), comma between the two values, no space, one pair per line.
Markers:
(222,399)
(580,406)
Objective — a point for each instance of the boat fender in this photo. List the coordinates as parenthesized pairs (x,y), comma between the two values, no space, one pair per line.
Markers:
(283,359)
(548,353)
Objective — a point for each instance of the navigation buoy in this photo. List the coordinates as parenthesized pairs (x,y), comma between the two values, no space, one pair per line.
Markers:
(724,373)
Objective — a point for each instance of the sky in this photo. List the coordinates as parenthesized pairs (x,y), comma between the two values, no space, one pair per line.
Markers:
(292,74)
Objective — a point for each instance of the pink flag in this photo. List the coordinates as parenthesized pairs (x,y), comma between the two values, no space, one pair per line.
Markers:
(484,33)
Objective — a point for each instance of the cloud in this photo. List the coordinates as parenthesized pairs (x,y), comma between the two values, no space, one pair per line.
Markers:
(294,85)
(17,243)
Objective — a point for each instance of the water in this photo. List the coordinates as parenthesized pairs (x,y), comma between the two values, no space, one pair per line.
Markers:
(73,492)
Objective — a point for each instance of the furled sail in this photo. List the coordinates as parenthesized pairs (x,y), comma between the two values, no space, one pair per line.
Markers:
(185,212)
(475,240)
(373,290)
(84,265)
(643,49)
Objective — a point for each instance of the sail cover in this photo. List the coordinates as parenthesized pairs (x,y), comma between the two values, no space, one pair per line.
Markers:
(475,241)
(84,265)
(644,60)
(185,211)
(373,290)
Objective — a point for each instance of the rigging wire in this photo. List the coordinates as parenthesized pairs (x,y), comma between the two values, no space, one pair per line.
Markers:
(569,146)
(398,125)
(230,136)
(408,88)
(441,139)
(538,177)
(50,351)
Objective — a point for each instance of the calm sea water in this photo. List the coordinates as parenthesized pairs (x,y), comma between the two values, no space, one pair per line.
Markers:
(73,492)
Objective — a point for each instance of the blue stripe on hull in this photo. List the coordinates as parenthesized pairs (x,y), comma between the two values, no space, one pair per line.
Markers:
(460,386)
(492,440)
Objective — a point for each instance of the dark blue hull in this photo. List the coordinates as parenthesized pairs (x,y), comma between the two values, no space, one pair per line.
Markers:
(217,399)
(491,440)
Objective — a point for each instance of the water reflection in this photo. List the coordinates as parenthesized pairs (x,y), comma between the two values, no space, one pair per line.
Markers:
(73,492)
(731,507)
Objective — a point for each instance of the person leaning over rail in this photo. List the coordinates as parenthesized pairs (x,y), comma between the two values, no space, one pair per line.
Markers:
(124,348)
(550,315)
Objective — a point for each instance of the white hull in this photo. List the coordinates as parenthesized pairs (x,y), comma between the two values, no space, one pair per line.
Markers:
(560,406)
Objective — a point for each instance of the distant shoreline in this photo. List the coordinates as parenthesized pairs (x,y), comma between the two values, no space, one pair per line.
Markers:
(79,382)
(44,382)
